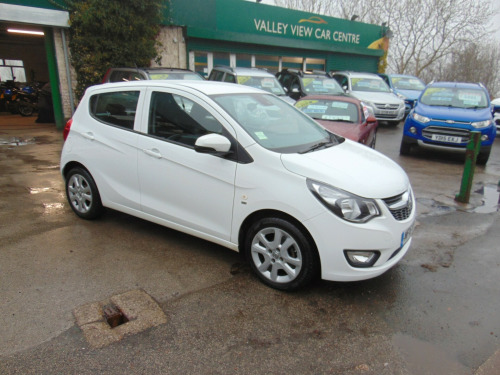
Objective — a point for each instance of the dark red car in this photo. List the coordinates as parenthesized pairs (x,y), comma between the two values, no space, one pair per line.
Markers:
(342,115)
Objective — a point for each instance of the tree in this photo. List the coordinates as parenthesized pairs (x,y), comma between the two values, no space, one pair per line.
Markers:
(474,63)
(425,32)
(106,33)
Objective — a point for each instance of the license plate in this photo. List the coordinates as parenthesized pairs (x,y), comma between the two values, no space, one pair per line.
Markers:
(387,112)
(446,138)
(406,235)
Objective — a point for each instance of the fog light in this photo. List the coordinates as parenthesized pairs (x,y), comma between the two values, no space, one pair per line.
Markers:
(484,137)
(413,130)
(361,258)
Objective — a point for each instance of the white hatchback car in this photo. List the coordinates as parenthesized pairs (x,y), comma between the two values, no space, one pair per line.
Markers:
(239,167)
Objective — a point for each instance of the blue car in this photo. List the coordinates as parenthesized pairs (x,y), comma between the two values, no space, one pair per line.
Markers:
(445,115)
(405,87)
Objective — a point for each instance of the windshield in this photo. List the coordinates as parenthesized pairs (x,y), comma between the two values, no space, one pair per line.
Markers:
(176,75)
(274,124)
(454,97)
(318,85)
(407,83)
(333,110)
(269,84)
(369,84)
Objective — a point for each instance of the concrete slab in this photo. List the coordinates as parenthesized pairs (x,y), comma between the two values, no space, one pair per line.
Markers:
(137,306)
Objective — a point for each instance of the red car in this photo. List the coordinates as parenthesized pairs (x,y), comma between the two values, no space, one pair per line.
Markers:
(342,115)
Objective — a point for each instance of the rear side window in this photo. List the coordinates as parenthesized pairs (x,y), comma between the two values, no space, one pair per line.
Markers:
(115,108)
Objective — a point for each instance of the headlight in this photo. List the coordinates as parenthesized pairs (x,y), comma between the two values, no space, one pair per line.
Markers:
(420,118)
(481,124)
(401,96)
(345,205)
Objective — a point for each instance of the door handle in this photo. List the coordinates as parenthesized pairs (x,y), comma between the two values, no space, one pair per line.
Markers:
(89,135)
(153,152)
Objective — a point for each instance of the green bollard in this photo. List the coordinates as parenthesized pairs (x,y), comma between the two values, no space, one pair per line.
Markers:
(472,150)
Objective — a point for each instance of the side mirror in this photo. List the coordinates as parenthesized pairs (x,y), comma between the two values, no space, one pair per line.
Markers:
(371,119)
(344,88)
(214,144)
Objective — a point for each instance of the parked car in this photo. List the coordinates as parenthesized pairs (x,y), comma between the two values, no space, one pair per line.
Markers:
(445,115)
(239,167)
(496,112)
(298,83)
(373,91)
(342,115)
(254,77)
(406,87)
(139,74)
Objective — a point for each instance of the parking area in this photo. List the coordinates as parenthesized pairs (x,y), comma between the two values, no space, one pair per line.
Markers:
(436,312)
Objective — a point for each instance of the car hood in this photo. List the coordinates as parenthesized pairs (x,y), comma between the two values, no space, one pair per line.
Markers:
(457,114)
(351,167)
(410,94)
(377,97)
(345,129)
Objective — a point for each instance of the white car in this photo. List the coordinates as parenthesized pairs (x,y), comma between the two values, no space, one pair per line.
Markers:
(373,91)
(239,167)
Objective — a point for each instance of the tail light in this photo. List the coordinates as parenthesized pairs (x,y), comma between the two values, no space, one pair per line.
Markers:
(67,127)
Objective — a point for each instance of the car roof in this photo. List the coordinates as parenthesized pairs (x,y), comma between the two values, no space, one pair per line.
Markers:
(341,98)
(205,87)
(255,72)
(359,74)
(456,84)
(152,69)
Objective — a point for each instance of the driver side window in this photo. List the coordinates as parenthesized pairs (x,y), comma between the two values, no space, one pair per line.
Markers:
(178,119)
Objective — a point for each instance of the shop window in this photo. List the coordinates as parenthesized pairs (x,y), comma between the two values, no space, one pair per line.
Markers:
(200,63)
(243,60)
(315,64)
(292,62)
(12,70)
(221,58)
(271,63)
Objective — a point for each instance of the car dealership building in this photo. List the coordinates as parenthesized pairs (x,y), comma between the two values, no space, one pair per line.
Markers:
(196,34)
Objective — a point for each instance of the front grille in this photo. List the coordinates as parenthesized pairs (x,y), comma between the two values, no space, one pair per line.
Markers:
(401,206)
(388,107)
(386,116)
(440,130)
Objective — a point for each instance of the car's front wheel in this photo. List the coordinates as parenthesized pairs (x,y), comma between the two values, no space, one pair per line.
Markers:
(82,194)
(281,255)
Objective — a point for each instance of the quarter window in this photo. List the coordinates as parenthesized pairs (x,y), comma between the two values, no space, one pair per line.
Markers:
(115,108)
(178,119)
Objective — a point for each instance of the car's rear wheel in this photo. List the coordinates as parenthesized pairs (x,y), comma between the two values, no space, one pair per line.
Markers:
(281,255)
(82,194)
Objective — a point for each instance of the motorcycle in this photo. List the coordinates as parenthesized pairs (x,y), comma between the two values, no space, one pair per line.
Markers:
(8,97)
(27,99)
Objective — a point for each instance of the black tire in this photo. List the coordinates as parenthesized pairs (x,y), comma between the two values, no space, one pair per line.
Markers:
(405,148)
(25,109)
(281,267)
(374,140)
(83,195)
(482,157)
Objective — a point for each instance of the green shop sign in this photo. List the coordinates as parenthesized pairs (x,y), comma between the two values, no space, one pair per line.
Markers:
(251,22)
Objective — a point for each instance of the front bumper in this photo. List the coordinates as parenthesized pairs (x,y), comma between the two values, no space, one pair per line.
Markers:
(383,234)
(438,135)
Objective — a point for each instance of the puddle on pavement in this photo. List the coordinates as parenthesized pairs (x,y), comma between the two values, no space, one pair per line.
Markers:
(15,141)
(51,208)
(485,201)
(491,199)
(426,358)
(38,190)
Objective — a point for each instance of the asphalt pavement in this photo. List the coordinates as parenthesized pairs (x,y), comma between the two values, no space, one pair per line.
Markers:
(197,308)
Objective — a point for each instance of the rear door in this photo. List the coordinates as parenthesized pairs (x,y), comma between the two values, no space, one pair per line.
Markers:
(108,144)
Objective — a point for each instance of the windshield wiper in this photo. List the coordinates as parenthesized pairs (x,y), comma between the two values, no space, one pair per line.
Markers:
(323,144)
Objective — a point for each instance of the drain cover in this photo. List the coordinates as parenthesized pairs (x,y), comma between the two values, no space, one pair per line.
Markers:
(105,322)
